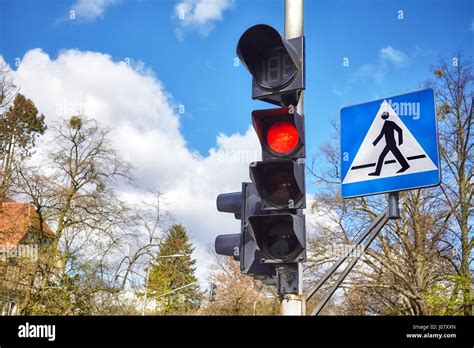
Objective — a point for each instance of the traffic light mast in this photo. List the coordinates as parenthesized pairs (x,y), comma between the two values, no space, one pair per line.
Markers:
(294,304)
(271,244)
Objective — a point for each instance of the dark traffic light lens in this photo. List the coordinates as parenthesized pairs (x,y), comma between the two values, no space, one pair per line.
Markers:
(282,137)
(281,242)
(279,182)
(281,193)
(276,68)
(281,187)
(280,237)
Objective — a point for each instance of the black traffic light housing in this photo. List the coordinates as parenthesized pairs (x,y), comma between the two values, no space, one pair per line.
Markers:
(270,208)
(228,244)
(276,64)
(243,246)
(251,253)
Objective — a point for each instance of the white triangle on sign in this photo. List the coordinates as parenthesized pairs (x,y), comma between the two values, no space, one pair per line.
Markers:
(368,155)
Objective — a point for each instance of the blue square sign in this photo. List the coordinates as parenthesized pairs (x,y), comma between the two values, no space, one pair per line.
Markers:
(390,144)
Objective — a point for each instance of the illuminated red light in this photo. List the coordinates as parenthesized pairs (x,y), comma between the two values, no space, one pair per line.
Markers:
(282,137)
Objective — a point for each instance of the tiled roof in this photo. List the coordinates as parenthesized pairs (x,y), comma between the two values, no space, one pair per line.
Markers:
(16,219)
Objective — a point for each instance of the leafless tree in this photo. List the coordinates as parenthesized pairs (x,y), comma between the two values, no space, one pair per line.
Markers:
(99,238)
(238,294)
(454,85)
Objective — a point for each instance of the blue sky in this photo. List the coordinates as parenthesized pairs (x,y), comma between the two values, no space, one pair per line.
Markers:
(198,69)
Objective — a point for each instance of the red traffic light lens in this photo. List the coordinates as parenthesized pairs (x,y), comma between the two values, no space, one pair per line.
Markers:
(282,137)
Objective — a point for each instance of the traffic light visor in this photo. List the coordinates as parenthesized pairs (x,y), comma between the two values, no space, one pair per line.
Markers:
(280,183)
(279,236)
(269,57)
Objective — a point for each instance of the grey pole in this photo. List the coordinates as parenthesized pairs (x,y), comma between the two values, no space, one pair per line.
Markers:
(294,10)
(393,206)
(381,220)
(391,212)
(294,21)
(339,262)
(294,27)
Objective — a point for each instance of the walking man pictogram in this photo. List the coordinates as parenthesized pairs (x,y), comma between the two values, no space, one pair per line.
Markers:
(388,130)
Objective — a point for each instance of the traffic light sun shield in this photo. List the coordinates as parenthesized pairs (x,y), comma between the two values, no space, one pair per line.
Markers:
(279,236)
(280,183)
(228,244)
(276,64)
(250,254)
(242,246)
(269,57)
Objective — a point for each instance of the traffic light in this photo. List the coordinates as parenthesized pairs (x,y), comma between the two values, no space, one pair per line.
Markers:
(243,246)
(271,207)
(276,64)
(277,67)
(279,228)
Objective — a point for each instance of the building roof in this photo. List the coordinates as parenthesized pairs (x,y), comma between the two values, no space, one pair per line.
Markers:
(16,220)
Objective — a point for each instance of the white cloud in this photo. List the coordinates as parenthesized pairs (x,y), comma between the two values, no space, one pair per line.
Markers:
(145,129)
(338,92)
(375,72)
(91,9)
(390,54)
(200,15)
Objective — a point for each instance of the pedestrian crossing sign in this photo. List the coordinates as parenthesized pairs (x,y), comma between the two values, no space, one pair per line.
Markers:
(390,144)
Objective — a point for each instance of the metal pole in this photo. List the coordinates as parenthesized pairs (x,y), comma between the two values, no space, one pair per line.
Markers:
(147,280)
(177,289)
(294,21)
(339,262)
(292,304)
(294,27)
(376,229)
(393,206)
(146,290)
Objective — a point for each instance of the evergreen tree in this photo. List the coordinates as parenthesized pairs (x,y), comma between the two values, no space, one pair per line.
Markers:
(174,268)
(20,125)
